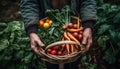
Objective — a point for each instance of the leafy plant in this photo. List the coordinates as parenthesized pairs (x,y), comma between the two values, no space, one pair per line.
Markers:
(108,32)
(15,51)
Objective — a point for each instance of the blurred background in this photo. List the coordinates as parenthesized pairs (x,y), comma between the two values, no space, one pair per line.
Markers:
(15,51)
(10,10)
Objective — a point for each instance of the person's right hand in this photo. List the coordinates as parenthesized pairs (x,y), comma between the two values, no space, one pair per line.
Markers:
(35,42)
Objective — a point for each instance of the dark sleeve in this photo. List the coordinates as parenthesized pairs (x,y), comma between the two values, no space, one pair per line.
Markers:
(88,11)
(30,14)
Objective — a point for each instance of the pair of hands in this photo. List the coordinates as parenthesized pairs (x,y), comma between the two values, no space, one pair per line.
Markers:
(87,40)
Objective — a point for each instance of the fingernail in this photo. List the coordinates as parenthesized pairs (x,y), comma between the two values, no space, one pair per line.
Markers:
(83,43)
(42,44)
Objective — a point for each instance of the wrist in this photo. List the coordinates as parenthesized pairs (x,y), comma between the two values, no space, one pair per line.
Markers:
(32,29)
(88,24)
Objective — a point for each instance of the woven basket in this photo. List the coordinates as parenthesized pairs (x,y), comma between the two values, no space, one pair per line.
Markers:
(55,59)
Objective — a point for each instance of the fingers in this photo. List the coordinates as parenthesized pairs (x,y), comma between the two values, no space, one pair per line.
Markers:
(34,37)
(34,48)
(35,42)
(39,42)
(88,45)
(84,41)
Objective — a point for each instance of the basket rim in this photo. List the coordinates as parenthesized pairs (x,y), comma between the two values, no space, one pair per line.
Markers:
(65,58)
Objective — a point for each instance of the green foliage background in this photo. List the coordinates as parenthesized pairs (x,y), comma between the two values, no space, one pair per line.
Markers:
(15,51)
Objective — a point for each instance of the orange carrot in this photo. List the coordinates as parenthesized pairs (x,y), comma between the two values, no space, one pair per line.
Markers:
(65,36)
(67,45)
(72,37)
(72,48)
(68,48)
(78,23)
(81,28)
(63,39)
(74,30)
(63,45)
(81,32)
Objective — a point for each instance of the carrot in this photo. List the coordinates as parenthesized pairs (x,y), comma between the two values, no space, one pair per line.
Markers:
(78,23)
(63,39)
(72,37)
(63,45)
(74,30)
(67,45)
(72,48)
(81,28)
(81,32)
(68,48)
(65,36)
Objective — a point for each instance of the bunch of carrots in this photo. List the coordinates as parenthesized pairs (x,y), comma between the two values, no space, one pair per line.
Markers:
(72,32)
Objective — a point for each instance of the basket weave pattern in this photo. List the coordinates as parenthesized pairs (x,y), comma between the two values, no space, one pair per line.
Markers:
(64,58)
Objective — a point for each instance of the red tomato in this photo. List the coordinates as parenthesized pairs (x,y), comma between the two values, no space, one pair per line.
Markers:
(53,52)
(75,26)
(59,53)
(56,47)
(80,37)
(64,27)
(75,34)
(70,25)
(49,50)
(62,47)
(65,53)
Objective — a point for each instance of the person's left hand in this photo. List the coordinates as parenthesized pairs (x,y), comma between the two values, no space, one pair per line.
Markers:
(87,39)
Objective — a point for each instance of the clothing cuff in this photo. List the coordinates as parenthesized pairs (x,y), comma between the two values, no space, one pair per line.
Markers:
(32,29)
(88,24)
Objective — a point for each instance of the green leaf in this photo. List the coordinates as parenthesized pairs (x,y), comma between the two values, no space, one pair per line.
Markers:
(27,58)
(110,56)
(3,44)
(3,24)
(103,28)
(51,31)
(102,41)
(116,19)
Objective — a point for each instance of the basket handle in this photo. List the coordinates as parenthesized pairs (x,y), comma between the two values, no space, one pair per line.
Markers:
(62,42)
(54,58)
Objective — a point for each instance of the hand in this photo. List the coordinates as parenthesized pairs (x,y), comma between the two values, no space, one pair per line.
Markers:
(87,39)
(35,42)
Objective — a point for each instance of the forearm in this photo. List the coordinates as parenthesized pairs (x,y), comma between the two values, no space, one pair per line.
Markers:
(88,10)
(88,13)
(30,14)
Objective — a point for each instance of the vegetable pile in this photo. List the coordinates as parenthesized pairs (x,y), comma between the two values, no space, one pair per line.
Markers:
(72,32)
(57,27)
(53,31)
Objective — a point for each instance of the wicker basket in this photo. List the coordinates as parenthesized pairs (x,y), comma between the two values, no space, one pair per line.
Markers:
(61,59)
